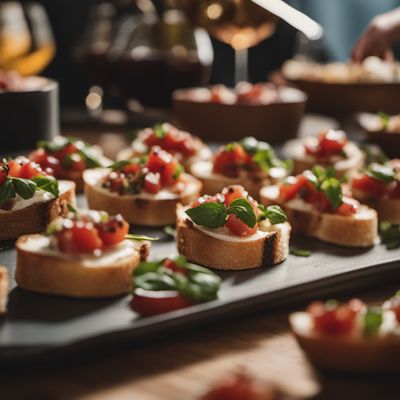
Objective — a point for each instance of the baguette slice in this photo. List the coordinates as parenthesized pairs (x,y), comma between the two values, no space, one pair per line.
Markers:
(388,209)
(42,270)
(214,183)
(4,287)
(294,149)
(145,210)
(360,230)
(35,218)
(213,250)
(354,354)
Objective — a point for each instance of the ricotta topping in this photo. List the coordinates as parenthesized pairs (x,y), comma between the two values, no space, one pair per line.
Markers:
(41,244)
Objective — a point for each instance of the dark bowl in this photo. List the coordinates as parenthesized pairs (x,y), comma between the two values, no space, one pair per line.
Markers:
(29,115)
(274,122)
(345,98)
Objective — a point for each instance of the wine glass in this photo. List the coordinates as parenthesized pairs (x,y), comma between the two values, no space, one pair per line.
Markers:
(26,39)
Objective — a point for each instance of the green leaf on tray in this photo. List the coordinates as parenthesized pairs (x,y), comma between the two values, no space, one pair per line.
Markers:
(300,252)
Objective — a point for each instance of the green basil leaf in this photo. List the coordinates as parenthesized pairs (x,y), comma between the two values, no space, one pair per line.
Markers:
(47,183)
(159,131)
(381,172)
(154,281)
(49,147)
(373,319)
(390,234)
(24,187)
(118,165)
(139,237)
(90,159)
(333,190)
(71,208)
(7,191)
(275,214)
(385,119)
(244,211)
(300,252)
(147,266)
(210,215)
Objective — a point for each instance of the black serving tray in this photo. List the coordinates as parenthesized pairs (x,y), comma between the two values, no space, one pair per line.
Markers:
(40,326)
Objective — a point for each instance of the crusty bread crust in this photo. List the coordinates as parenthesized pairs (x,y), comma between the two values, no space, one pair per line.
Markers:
(348,354)
(4,287)
(35,218)
(388,209)
(332,228)
(211,252)
(141,211)
(302,161)
(49,274)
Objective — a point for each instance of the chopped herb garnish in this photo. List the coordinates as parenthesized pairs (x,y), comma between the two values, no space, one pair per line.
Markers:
(385,119)
(170,230)
(373,319)
(300,252)
(383,173)
(275,214)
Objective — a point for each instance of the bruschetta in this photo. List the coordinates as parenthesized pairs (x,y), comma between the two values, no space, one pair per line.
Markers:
(171,284)
(4,287)
(87,254)
(316,206)
(330,148)
(249,163)
(378,186)
(350,337)
(29,198)
(231,231)
(67,158)
(145,191)
(186,148)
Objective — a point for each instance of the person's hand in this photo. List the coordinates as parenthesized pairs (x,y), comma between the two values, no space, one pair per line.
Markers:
(378,38)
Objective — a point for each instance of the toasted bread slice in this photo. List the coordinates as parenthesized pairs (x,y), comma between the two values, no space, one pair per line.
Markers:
(4,287)
(35,218)
(214,183)
(294,149)
(218,251)
(360,230)
(143,209)
(347,353)
(388,209)
(41,269)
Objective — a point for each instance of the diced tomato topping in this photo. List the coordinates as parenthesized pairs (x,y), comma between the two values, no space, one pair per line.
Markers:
(68,149)
(113,231)
(173,266)
(46,161)
(14,169)
(233,193)
(228,160)
(238,227)
(369,185)
(329,143)
(30,170)
(81,238)
(148,302)
(333,319)
(348,207)
(77,163)
(318,199)
(170,173)
(158,159)
(131,169)
(291,187)
(205,199)
(152,182)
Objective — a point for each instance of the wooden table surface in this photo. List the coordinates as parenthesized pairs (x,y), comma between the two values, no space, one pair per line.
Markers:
(184,365)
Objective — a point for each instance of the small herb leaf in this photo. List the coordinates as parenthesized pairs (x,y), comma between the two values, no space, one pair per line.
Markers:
(210,215)
(275,214)
(48,184)
(7,191)
(244,211)
(24,187)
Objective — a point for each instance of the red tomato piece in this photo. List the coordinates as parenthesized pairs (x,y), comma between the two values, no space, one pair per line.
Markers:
(348,207)
(394,190)
(46,161)
(227,161)
(152,182)
(170,173)
(205,199)
(31,169)
(158,159)
(3,174)
(76,163)
(68,149)
(132,169)
(369,185)
(238,227)
(149,302)
(233,193)
(173,266)
(113,231)
(335,319)
(290,189)
(14,169)
(81,238)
